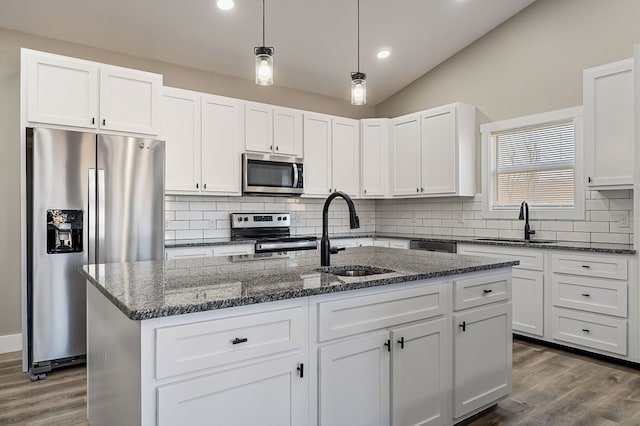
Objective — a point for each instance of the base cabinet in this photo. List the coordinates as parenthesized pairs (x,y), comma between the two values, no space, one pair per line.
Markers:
(354,382)
(270,392)
(528,300)
(420,372)
(481,357)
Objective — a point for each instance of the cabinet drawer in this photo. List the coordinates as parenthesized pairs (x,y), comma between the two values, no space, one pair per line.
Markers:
(187,253)
(197,346)
(233,250)
(529,259)
(590,266)
(590,294)
(476,291)
(591,330)
(359,314)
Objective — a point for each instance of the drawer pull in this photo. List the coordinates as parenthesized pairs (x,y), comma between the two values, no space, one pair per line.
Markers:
(586,295)
(586,330)
(239,340)
(401,341)
(463,326)
(586,266)
(487,291)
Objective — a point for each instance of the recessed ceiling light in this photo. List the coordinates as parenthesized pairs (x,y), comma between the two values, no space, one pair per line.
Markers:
(383,53)
(225,4)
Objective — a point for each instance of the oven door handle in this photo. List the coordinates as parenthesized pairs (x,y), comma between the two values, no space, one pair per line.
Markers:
(287,246)
(295,175)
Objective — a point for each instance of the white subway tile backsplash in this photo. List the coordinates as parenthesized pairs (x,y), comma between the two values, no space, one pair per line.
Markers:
(208,217)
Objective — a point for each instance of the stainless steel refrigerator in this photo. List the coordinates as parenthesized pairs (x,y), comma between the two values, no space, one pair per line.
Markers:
(91,198)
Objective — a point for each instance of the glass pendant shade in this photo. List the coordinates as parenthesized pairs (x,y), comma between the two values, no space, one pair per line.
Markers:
(264,66)
(358,88)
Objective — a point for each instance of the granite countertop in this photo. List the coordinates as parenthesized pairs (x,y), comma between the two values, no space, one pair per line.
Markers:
(152,289)
(553,245)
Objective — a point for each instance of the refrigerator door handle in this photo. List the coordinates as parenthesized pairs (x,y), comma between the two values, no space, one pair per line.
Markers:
(101,214)
(91,217)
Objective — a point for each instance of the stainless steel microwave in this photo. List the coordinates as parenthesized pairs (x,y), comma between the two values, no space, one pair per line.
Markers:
(268,174)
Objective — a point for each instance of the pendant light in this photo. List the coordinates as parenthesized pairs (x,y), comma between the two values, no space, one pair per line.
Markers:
(264,60)
(358,79)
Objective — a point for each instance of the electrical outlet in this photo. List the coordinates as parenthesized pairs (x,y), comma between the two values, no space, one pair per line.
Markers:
(623,221)
(459,217)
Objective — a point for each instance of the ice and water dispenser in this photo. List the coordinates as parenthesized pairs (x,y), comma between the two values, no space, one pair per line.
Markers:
(64,231)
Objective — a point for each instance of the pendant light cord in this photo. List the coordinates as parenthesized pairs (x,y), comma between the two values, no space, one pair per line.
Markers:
(263,23)
(358,36)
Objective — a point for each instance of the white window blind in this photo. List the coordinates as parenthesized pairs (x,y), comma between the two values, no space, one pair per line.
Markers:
(536,164)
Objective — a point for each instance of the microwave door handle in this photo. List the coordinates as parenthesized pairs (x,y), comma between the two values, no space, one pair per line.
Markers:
(295,175)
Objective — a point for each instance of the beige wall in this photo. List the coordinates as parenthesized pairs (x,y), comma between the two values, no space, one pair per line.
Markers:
(174,75)
(532,63)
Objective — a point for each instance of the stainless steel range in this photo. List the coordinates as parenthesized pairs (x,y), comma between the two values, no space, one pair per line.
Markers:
(272,232)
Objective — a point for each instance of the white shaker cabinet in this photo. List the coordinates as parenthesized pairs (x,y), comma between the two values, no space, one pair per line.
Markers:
(272,129)
(433,152)
(331,152)
(203,136)
(354,382)
(129,100)
(405,155)
(222,135)
(481,357)
(345,156)
(374,156)
(608,125)
(181,132)
(73,92)
(420,373)
(61,90)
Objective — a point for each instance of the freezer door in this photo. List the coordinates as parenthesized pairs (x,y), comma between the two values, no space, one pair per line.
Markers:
(130,199)
(59,164)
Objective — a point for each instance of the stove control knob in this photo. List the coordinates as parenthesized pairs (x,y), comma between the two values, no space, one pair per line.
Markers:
(279,218)
(246,219)
(239,219)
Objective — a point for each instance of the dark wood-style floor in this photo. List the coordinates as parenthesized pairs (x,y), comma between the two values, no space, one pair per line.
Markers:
(550,387)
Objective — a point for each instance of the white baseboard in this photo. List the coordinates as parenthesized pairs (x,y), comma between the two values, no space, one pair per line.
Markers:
(10,343)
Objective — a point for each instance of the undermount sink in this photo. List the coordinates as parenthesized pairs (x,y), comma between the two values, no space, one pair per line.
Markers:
(515,240)
(354,270)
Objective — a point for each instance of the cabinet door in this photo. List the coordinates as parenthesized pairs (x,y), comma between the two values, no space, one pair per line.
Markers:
(421,374)
(258,127)
(221,145)
(405,155)
(354,382)
(269,393)
(287,131)
(375,157)
(439,151)
(608,124)
(129,100)
(181,132)
(481,357)
(528,301)
(317,151)
(61,90)
(345,153)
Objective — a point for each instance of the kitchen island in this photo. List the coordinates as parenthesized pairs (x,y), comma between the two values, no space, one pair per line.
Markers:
(426,338)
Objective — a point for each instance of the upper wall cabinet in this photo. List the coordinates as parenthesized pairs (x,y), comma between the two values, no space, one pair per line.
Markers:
(374,157)
(433,152)
(181,132)
(73,92)
(608,125)
(331,147)
(272,129)
(203,135)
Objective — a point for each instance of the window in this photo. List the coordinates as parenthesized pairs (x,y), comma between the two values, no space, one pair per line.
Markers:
(535,159)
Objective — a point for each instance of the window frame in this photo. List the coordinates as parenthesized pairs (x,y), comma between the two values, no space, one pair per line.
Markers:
(536,212)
